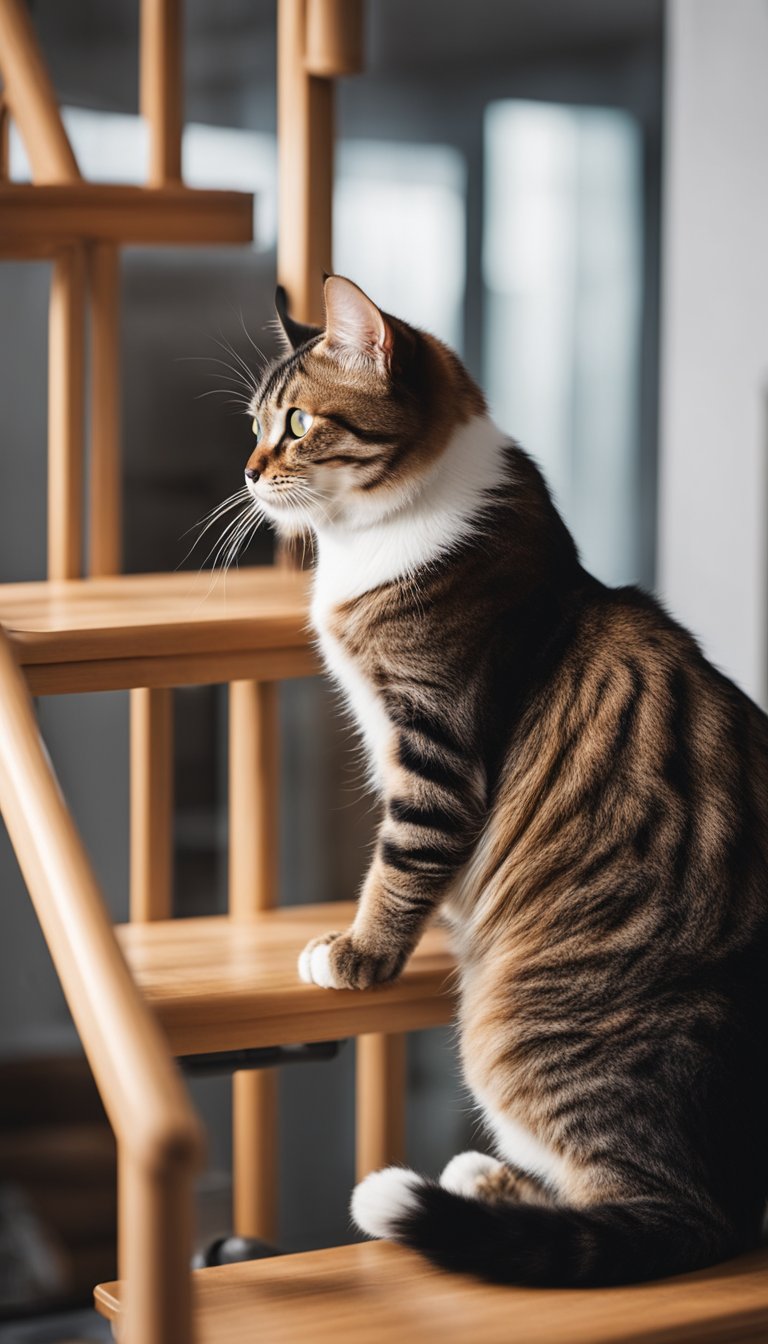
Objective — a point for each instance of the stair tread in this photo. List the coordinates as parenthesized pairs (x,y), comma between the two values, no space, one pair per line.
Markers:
(40,217)
(216,984)
(63,630)
(382,1293)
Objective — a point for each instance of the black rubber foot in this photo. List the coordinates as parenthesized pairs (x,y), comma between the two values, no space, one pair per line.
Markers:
(232,1250)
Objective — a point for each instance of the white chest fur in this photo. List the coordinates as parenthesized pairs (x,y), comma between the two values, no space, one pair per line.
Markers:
(367,552)
(364,703)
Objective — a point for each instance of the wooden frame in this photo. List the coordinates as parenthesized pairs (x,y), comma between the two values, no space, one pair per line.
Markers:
(81,225)
(158,1133)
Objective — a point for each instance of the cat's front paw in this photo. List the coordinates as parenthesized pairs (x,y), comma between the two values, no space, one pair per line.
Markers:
(336,961)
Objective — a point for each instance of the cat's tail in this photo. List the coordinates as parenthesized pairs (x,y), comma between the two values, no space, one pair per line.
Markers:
(539,1246)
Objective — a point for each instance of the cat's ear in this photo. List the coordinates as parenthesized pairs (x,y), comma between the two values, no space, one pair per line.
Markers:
(295,333)
(354,327)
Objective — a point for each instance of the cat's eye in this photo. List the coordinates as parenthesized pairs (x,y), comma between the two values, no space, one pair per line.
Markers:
(256,427)
(299,422)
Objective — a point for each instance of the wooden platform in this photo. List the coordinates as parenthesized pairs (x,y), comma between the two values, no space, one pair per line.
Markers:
(48,217)
(159,629)
(381,1294)
(220,985)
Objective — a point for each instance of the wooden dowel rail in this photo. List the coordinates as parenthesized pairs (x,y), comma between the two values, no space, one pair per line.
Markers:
(66,422)
(5,139)
(104,484)
(334,43)
(156,1127)
(380,1088)
(31,97)
(254,788)
(161,86)
(151,773)
(305,167)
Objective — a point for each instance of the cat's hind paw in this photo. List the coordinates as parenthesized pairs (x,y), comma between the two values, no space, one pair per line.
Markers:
(382,1201)
(466,1172)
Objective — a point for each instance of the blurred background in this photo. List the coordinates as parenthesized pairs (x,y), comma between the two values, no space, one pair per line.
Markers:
(574,194)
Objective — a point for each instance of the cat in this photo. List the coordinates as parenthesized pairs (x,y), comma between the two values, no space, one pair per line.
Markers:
(571,784)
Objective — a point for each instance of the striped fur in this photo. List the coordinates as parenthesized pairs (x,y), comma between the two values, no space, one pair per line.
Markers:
(583,797)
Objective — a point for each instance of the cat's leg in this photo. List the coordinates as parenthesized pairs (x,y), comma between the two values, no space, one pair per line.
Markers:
(434,808)
(478,1176)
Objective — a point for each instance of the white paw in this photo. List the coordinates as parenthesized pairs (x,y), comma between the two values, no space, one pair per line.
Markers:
(383,1198)
(315,966)
(465,1170)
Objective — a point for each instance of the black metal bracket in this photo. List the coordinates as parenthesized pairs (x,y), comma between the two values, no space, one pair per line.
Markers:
(264,1057)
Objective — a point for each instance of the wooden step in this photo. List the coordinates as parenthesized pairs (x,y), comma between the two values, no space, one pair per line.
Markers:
(219,985)
(159,629)
(40,219)
(382,1294)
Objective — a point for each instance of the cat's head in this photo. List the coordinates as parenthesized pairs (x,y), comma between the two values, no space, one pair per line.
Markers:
(351,422)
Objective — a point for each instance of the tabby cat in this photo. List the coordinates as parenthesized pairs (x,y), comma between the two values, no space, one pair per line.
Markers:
(581,795)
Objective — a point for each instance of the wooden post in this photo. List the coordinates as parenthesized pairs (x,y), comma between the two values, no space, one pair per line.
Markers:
(5,140)
(66,358)
(317,40)
(31,98)
(158,1134)
(254,783)
(151,804)
(157,1221)
(380,1092)
(161,83)
(104,512)
(334,43)
(161,99)
(305,167)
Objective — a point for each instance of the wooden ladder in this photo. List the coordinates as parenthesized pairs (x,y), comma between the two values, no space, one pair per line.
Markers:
(158,987)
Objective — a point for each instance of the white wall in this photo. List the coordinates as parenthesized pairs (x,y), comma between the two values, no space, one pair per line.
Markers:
(714,407)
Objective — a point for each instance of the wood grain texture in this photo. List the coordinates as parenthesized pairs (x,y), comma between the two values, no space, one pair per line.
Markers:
(5,139)
(149,1111)
(31,97)
(305,168)
(255,1138)
(380,1089)
(220,985)
(162,86)
(334,37)
(254,789)
(202,669)
(141,1091)
(105,467)
(151,774)
(153,615)
(66,414)
(378,1293)
(95,211)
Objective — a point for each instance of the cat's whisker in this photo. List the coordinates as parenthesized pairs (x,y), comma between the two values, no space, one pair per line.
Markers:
(246,371)
(260,353)
(235,541)
(248,384)
(225,536)
(209,518)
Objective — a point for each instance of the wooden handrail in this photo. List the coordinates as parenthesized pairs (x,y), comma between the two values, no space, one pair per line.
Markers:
(156,1127)
(31,97)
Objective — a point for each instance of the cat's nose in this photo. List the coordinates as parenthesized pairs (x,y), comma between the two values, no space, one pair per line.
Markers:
(251,474)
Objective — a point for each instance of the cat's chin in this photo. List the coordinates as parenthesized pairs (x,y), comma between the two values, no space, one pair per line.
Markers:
(288,528)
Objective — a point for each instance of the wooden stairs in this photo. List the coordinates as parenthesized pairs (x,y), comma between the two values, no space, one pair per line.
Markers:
(156,987)
(379,1293)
